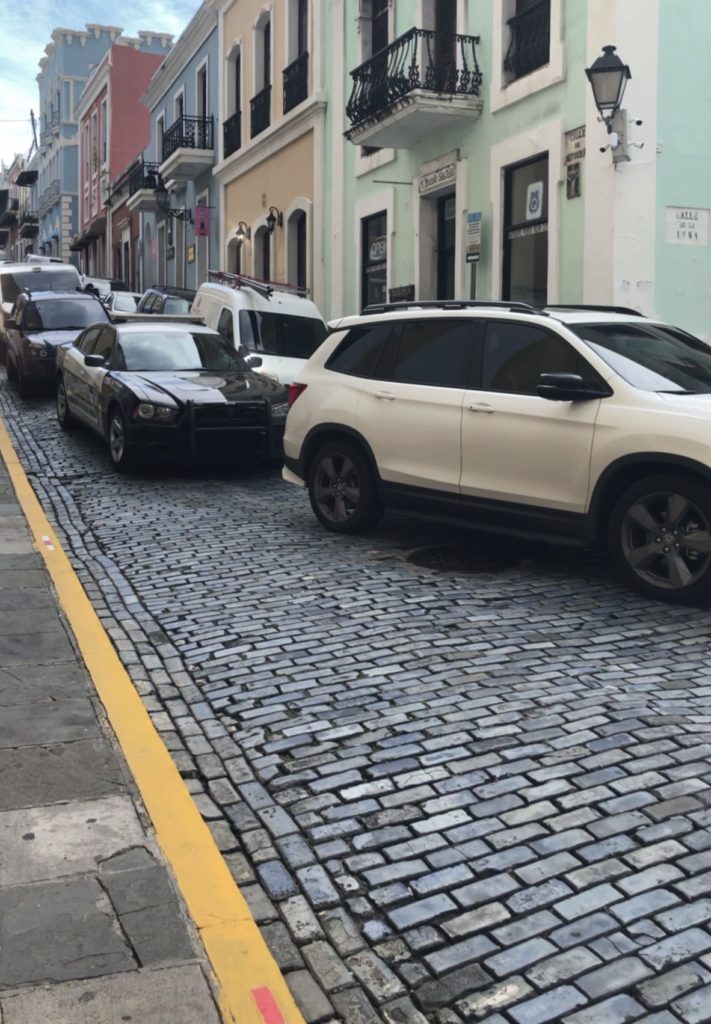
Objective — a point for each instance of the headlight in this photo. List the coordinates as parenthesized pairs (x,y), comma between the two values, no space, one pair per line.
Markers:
(37,349)
(159,413)
(279,411)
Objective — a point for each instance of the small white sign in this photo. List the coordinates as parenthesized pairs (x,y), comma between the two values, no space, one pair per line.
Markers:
(438,179)
(687,225)
(534,201)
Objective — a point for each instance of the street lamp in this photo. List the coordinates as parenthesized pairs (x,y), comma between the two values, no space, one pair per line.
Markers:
(242,233)
(608,77)
(274,217)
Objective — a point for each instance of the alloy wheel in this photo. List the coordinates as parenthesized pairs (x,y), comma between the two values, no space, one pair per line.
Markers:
(337,487)
(117,439)
(666,540)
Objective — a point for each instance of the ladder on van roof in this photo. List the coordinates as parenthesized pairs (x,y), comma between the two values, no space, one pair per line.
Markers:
(260,285)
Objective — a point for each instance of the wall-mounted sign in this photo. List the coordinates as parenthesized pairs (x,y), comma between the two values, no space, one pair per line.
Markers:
(473,238)
(572,180)
(438,179)
(201,219)
(404,293)
(535,229)
(687,225)
(575,145)
(534,200)
(191,254)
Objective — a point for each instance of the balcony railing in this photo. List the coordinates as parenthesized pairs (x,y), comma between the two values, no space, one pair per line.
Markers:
(50,196)
(260,110)
(296,82)
(29,224)
(529,47)
(145,175)
(188,133)
(420,59)
(232,134)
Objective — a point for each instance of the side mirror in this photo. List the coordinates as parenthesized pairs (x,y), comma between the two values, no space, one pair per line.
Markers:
(568,387)
(10,324)
(94,360)
(254,361)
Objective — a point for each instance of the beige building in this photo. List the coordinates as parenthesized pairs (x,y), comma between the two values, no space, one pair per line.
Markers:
(273,113)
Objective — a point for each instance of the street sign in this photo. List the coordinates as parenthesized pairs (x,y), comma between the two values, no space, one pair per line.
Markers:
(473,238)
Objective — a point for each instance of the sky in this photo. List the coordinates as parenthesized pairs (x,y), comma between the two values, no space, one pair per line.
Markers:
(27,28)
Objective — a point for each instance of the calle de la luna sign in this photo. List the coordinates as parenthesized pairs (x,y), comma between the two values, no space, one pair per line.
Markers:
(687,225)
(438,179)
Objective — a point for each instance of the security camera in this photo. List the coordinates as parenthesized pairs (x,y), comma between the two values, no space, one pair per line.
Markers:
(636,120)
(604,149)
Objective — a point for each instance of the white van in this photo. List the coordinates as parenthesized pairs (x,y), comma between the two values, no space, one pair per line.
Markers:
(35,277)
(273,322)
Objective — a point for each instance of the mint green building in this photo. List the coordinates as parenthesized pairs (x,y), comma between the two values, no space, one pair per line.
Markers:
(463,155)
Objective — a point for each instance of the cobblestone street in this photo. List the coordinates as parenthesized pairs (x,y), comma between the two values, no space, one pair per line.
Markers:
(448,794)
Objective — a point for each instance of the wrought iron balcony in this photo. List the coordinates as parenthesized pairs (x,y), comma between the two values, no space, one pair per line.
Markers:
(529,47)
(408,79)
(232,134)
(50,197)
(188,133)
(260,110)
(29,224)
(8,217)
(296,82)
(145,175)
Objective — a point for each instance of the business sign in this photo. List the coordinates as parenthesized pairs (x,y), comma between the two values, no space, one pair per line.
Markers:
(378,250)
(687,225)
(473,237)
(438,179)
(201,219)
(575,145)
(534,201)
(403,293)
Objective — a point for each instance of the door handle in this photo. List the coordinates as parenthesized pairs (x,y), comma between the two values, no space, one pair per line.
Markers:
(481,407)
(385,396)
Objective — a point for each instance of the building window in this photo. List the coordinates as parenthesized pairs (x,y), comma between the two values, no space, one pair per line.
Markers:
(104,132)
(179,105)
(261,101)
(297,255)
(201,85)
(446,223)
(160,132)
(526,232)
(529,32)
(374,259)
(94,150)
(262,254)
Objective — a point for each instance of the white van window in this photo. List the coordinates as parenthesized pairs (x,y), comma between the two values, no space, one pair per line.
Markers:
(277,334)
(225,326)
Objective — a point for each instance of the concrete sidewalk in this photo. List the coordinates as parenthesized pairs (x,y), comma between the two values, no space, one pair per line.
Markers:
(91,928)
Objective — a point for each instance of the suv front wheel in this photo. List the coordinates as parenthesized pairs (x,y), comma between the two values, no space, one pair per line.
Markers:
(660,538)
(342,489)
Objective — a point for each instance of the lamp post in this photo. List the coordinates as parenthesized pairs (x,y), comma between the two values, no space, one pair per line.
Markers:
(608,78)
(274,217)
(242,233)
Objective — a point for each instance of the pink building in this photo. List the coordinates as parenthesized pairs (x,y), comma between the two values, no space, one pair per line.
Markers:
(113,128)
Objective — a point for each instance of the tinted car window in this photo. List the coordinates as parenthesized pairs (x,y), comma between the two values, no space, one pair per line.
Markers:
(360,350)
(178,350)
(515,355)
(651,357)
(124,303)
(102,346)
(86,343)
(225,326)
(277,334)
(434,352)
(59,280)
(174,305)
(65,314)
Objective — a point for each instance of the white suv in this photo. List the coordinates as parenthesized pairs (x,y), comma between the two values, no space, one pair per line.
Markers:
(581,424)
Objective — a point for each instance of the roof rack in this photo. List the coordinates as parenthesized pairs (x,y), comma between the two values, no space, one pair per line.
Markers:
(394,307)
(156,318)
(623,310)
(260,285)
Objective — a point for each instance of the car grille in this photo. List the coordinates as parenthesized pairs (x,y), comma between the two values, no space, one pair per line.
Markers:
(233,414)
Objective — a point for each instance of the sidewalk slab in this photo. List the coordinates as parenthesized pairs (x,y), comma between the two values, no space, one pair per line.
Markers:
(60,722)
(177,995)
(50,774)
(36,684)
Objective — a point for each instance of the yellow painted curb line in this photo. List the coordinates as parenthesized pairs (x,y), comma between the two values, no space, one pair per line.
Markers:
(251,988)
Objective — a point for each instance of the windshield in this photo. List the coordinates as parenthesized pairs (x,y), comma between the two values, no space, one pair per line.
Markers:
(124,302)
(64,314)
(179,306)
(651,357)
(60,280)
(178,350)
(277,334)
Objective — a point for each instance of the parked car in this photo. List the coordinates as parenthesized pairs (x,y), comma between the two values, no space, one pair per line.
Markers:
(17,277)
(274,322)
(101,287)
(582,425)
(175,302)
(168,390)
(42,322)
(116,303)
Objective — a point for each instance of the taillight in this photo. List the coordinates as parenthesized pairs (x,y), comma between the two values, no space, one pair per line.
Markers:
(293,392)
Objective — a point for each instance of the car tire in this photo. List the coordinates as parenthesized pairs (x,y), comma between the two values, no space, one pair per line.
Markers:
(64,416)
(653,527)
(122,458)
(342,488)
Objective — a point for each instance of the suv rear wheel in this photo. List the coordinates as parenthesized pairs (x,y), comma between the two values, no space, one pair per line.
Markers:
(660,538)
(342,489)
